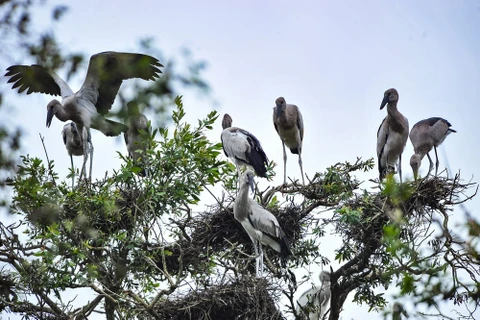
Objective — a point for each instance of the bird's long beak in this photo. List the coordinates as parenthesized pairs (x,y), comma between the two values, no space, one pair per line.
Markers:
(251,183)
(384,102)
(415,174)
(49,117)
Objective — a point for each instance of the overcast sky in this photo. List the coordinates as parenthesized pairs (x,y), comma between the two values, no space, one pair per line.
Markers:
(333,59)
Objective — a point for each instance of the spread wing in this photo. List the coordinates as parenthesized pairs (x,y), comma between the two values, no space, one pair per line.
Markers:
(107,70)
(36,78)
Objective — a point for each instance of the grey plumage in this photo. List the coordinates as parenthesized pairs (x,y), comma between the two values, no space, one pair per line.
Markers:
(392,135)
(74,143)
(288,122)
(243,148)
(88,106)
(425,135)
(314,302)
(136,146)
(398,311)
(259,223)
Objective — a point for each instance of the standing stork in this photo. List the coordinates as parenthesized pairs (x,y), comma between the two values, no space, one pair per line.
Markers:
(392,135)
(314,302)
(88,106)
(136,146)
(425,135)
(288,122)
(73,141)
(243,148)
(260,224)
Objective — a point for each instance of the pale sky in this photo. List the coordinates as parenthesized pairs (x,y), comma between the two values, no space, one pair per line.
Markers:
(333,59)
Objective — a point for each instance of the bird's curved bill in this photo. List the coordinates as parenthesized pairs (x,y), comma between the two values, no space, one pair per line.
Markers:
(49,117)
(251,183)
(384,102)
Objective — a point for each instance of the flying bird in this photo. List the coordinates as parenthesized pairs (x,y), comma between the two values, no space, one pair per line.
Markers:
(243,148)
(74,143)
(136,146)
(315,301)
(425,135)
(88,106)
(260,224)
(288,122)
(392,136)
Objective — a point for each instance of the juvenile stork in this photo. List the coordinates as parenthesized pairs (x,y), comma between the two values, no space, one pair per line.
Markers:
(136,146)
(88,106)
(260,224)
(425,135)
(392,135)
(243,148)
(73,141)
(288,122)
(315,301)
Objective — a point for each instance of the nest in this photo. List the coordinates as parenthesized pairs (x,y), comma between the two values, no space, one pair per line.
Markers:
(247,298)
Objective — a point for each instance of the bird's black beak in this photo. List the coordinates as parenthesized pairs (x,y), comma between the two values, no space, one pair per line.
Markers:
(384,102)
(49,117)
(251,182)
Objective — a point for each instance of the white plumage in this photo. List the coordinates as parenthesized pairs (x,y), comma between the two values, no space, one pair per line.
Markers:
(74,143)
(314,302)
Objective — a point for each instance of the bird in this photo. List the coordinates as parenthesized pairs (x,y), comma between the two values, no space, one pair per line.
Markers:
(398,311)
(136,146)
(74,143)
(260,224)
(288,122)
(392,135)
(314,302)
(243,148)
(425,135)
(88,106)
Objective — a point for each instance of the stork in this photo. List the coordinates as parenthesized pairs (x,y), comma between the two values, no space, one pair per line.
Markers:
(288,122)
(73,141)
(261,225)
(136,123)
(398,310)
(392,135)
(88,106)
(425,135)
(314,302)
(243,148)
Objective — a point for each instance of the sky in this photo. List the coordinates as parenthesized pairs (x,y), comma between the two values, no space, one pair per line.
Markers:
(333,59)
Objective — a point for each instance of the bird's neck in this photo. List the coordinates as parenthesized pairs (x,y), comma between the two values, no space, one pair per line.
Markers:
(61,113)
(241,202)
(395,116)
(279,110)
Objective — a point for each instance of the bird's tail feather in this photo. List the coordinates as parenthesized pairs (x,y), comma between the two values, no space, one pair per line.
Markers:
(382,170)
(294,150)
(259,162)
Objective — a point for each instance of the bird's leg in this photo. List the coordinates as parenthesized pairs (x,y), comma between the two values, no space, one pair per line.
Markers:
(260,258)
(257,263)
(300,164)
(91,153)
(436,162)
(284,164)
(431,165)
(400,167)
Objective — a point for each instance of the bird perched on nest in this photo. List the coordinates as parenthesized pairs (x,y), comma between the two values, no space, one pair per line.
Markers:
(425,135)
(392,136)
(259,223)
(136,146)
(243,148)
(74,143)
(288,122)
(315,301)
(88,106)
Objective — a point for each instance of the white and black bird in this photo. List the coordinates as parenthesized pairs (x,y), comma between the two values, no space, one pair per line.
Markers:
(136,146)
(392,136)
(425,135)
(88,106)
(243,148)
(74,143)
(314,302)
(260,224)
(288,122)
(398,310)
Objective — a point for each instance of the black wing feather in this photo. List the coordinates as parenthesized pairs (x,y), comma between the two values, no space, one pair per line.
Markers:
(35,78)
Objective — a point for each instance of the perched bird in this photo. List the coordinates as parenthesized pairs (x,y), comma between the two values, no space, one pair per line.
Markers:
(243,148)
(315,301)
(425,135)
(88,106)
(288,122)
(136,123)
(398,311)
(260,224)
(73,141)
(392,136)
